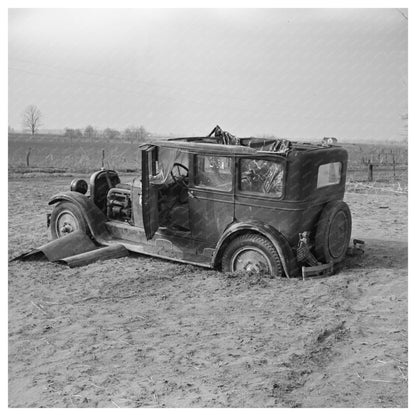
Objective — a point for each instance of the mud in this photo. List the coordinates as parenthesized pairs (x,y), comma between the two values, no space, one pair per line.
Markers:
(141,332)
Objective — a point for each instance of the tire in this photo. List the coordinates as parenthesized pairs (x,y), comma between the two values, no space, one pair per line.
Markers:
(251,253)
(66,218)
(333,232)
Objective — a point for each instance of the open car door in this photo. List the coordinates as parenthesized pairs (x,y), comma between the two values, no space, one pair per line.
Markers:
(149,192)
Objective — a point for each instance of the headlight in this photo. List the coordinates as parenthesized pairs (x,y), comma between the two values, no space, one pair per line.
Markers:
(79,185)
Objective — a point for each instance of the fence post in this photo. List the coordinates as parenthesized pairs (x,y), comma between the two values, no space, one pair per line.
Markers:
(28,157)
(370,172)
(394,167)
(102,159)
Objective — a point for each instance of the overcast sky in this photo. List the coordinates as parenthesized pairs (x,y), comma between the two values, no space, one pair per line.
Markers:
(288,72)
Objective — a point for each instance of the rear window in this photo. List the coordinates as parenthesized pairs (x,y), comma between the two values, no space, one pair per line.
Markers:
(329,174)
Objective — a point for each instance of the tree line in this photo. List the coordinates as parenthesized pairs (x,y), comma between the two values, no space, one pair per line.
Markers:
(132,133)
(32,120)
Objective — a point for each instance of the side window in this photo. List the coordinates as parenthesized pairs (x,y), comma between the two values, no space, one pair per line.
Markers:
(214,172)
(261,176)
(329,174)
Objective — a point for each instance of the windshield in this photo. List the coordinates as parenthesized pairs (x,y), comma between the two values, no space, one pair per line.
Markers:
(166,159)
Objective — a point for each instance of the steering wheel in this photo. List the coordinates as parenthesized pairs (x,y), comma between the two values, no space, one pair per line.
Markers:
(177,174)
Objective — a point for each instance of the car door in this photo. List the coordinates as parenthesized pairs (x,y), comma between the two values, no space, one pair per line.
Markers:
(211,196)
(260,191)
(149,192)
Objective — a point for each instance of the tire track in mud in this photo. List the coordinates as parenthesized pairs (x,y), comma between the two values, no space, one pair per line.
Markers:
(316,355)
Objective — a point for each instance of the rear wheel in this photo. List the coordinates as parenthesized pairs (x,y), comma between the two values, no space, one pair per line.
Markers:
(333,232)
(251,253)
(66,218)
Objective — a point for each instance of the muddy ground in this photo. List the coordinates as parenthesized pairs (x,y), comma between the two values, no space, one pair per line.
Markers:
(141,332)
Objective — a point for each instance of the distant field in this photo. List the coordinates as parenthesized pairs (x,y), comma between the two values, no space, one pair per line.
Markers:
(53,153)
(61,153)
(377,153)
(389,163)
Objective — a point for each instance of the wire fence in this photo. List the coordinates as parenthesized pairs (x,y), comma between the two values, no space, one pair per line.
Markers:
(376,171)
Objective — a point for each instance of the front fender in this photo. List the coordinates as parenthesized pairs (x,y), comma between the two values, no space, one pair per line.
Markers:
(280,243)
(93,215)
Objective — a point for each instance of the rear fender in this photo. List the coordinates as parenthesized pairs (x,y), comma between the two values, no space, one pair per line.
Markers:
(280,243)
(94,217)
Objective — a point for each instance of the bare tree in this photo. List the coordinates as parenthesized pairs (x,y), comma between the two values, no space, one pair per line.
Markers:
(111,134)
(89,132)
(32,118)
(138,134)
(143,134)
(73,133)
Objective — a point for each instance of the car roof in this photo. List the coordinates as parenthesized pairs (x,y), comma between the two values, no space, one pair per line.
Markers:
(196,147)
(247,146)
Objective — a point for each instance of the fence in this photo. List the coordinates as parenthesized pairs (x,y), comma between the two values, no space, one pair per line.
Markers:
(72,157)
(369,165)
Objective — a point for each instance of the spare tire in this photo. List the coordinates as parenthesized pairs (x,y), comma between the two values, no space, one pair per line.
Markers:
(333,232)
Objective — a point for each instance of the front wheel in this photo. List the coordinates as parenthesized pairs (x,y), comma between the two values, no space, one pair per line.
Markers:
(251,253)
(66,218)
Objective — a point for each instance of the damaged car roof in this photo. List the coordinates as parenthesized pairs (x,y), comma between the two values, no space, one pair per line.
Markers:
(246,146)
(194,146)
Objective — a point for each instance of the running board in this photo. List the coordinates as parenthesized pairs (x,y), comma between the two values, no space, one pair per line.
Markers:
(104,253)
(78,249)
(144,249)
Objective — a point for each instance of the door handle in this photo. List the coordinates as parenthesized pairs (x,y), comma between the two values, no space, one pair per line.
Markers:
(191,194)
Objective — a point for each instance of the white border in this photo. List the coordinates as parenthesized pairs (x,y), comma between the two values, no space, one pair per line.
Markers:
(203,4)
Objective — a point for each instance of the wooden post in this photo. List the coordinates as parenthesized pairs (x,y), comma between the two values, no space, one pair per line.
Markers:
(102,159)
(370,172)
(28,157)
(394,167)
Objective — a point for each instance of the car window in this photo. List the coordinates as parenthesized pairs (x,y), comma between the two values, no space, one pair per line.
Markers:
(261,176)
(168,160)
(214,172)
(329,174)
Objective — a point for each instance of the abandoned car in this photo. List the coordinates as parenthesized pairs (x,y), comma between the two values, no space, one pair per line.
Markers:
(238,204)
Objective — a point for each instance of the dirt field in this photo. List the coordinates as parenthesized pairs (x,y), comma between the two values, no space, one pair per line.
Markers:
(141,332)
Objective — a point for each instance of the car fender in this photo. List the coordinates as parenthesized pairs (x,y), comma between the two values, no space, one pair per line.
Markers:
(93,215)
(280,243)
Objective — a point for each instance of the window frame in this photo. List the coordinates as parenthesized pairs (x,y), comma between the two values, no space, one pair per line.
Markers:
(341,167)
(254,194)
(212,188)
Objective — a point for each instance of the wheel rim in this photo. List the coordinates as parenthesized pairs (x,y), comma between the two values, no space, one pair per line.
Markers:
(250,259)
(338,234)
(66,223)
